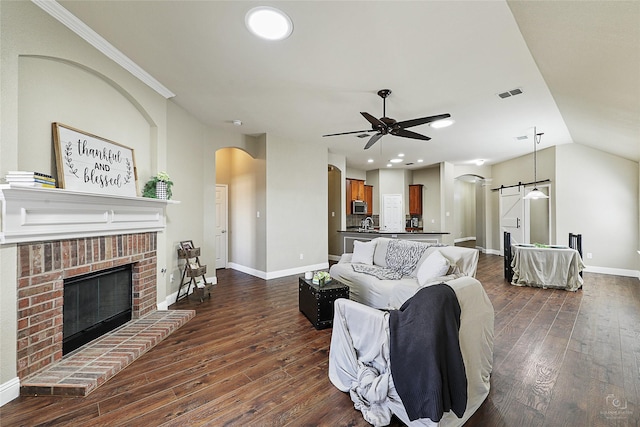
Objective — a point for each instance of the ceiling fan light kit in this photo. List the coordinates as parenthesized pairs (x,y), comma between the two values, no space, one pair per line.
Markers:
(439,124)
(388,126)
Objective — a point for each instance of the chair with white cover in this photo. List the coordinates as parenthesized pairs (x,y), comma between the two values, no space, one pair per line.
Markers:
(360,363)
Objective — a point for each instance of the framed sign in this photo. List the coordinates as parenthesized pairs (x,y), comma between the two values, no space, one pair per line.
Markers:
(86,162)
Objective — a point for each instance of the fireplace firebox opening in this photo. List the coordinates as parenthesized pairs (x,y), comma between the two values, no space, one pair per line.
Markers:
(95,304)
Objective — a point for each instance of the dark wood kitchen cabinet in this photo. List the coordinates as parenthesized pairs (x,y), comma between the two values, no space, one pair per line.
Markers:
(415,199)
(354,190)
(368,198)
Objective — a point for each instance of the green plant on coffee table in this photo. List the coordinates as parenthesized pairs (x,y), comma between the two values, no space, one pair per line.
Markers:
(321,278)
(149,189)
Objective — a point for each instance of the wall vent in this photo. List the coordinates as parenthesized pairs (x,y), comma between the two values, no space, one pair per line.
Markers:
(509,93)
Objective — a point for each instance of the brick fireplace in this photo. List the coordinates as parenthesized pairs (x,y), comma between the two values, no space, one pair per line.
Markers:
(42,268)
(59,234)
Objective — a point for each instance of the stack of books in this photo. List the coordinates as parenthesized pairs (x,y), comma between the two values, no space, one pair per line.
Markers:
(30,179)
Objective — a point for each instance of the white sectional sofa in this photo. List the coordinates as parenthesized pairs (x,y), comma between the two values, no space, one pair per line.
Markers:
(384,272)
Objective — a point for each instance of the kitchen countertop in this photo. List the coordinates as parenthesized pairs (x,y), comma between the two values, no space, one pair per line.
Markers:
(374,231)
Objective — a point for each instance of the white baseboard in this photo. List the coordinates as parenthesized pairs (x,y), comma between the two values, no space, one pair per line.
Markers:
(248,270)
(171,298)
(277,274)
(613,271)
(9,391)
(464,239)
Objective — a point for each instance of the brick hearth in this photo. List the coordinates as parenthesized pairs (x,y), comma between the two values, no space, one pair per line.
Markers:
(88,367)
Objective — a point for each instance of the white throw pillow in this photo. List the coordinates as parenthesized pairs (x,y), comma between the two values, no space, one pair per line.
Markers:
(380,254)
(363,252)
(435,265)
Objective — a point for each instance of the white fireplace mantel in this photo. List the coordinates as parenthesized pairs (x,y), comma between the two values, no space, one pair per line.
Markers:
(36,214)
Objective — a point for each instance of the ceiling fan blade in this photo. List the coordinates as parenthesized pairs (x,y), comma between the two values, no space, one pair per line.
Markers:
(373,140)
(375,122)
(347,133)
(422,120)
(409,134)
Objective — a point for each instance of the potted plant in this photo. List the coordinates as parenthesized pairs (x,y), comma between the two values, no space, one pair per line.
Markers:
(158,187)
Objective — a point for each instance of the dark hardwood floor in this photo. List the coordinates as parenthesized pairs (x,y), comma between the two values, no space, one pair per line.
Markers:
(250,358)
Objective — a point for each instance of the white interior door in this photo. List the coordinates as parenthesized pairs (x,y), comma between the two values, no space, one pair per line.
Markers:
(221,228)
(392,212)
(512,215)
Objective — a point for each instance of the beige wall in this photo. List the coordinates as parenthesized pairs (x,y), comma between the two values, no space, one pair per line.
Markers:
(597,195)
(296,220)
(465,209)
(447,213)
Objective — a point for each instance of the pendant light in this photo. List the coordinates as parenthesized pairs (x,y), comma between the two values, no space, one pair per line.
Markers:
(535,193)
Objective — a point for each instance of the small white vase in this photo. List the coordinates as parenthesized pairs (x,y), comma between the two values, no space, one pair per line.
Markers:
(161,190)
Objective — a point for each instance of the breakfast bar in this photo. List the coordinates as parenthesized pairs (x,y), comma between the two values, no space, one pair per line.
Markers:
(350,236)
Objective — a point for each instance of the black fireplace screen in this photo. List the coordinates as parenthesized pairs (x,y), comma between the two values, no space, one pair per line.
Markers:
(95,304)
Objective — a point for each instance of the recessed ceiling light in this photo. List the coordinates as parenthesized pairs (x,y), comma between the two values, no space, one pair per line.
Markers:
(400,154)
(237,122)
(268,23)
(395,160)
(420,160)
(441,123)
(480,162)
(389,165)
(370,161)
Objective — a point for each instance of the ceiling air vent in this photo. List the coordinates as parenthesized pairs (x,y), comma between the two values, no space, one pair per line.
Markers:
(521,138)
(512,92)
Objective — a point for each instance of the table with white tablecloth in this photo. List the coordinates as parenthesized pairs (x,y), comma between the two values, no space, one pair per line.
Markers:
(556,267)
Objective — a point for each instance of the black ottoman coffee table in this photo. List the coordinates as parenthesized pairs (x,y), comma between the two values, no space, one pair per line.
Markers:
(316,302)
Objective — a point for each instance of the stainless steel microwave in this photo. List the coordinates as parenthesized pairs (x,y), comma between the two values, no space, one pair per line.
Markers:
(359,207)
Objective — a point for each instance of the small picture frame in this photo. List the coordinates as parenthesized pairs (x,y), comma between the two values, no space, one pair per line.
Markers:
(186,245)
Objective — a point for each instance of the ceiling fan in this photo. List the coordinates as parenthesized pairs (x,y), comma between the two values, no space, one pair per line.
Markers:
(386,125)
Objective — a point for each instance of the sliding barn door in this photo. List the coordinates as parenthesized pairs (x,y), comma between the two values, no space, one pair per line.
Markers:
(512,214)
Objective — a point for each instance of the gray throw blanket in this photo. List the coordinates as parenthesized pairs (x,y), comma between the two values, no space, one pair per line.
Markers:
(425,357)
(402,258)
(381,273)
(403,255)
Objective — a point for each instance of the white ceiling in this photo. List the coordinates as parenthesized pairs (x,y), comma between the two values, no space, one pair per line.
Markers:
(578,63)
